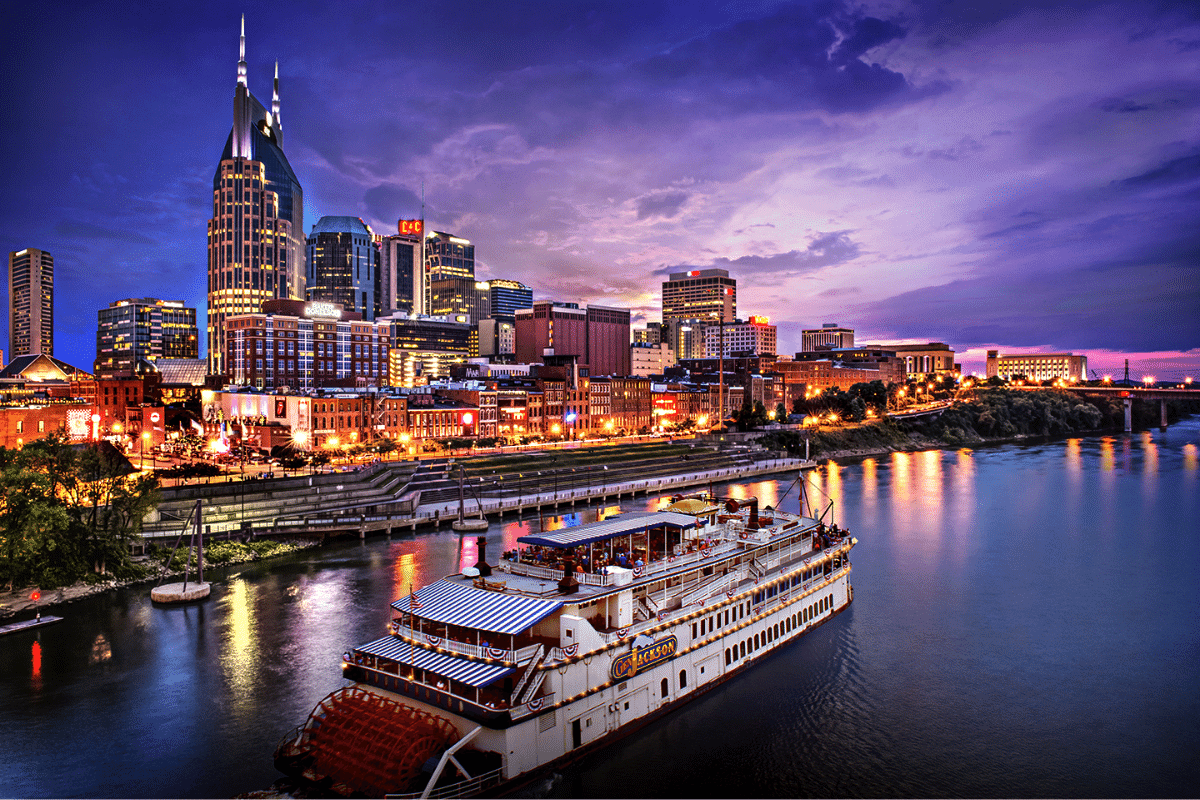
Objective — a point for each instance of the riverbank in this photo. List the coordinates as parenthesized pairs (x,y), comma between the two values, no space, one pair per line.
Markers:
(217,555)
(987,417)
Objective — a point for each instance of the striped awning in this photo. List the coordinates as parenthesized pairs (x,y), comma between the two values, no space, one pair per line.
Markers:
(625,524)
(471,673)
(458,604)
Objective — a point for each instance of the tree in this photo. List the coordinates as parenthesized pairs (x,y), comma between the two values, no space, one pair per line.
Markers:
(780,413)
(66,510)
(873,394)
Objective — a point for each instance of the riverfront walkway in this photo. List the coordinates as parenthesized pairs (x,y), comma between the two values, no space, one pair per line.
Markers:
(388,496)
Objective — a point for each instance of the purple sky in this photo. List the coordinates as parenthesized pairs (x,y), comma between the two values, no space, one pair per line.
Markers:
(1015,175)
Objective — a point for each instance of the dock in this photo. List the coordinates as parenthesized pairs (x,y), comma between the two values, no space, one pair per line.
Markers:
(28,625)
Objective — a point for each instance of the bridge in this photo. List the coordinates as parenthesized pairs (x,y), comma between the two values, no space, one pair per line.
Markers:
(1128,393)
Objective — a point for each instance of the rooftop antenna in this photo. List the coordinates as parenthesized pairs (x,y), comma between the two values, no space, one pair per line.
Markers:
(242,54)
(275,100)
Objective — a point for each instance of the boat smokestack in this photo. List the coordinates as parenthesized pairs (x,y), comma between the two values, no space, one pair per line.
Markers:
(753,523)
(569,584)
(481,564)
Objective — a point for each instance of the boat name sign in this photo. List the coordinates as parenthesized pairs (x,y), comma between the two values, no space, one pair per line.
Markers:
(629,664)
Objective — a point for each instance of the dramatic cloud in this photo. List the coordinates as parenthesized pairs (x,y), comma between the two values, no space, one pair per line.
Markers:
(1015,174)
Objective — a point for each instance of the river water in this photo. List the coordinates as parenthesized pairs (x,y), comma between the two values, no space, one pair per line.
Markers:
(1026,624)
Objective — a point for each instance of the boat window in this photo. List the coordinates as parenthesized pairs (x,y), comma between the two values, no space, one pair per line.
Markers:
(743,650)
(756,643)
(694,631)
(683,679)
(728,660)
(665,687)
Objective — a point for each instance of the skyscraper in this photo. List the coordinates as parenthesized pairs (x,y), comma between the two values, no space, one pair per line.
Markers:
(145,329)
(508,297)
(700,294)
(690,301)
(30,303)
(401,280)
(255,236)
(342,265)
(446,256)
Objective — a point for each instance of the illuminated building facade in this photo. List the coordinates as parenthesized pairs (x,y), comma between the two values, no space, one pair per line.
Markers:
(342,263)
(830,335)
(425,348)
(306,346)
(497,337)
(700,294)
(1037,366)
(30,303)
(143,329)
(452,297)
(755,337)
(932,359)
(446,256)
(255,236)
(508,297)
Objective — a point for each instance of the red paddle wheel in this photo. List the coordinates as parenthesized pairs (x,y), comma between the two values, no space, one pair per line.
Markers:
(367,744)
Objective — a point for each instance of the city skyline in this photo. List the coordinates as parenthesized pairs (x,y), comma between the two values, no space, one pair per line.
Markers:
(984,177)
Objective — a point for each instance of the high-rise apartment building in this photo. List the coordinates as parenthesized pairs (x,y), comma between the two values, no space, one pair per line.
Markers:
(143,329)
(30,303)
(401,280)
(830,335)
(256,234)
(508,297)
(342,265)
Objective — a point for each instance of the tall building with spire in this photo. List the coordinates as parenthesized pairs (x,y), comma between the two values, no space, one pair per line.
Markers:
(256,237)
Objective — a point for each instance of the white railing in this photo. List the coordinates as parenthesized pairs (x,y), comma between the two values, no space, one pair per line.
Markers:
(463,788)
(488,652)
(532,707)
(712,587)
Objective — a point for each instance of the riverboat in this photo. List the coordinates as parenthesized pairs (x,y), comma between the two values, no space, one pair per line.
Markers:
(582,634)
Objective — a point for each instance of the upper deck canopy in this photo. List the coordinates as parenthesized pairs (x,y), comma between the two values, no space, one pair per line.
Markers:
(472,673)
(458,604)
(624,525)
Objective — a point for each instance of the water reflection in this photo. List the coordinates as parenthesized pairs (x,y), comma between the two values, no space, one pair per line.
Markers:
(403,573)
(36,674)
(870,489)
(101,650)
(949,668)
(1149,464)
(238,654)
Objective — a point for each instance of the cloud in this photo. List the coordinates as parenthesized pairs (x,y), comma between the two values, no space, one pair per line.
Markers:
(76,229)
(824,250)
(665,205)
(1177,170)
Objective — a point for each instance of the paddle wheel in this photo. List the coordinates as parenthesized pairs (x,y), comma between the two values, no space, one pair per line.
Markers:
(365,744)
